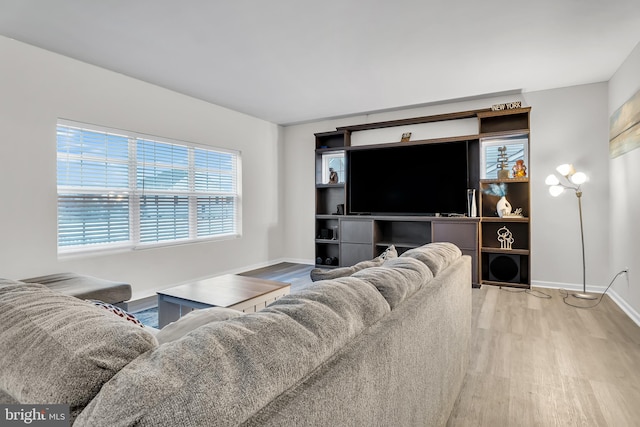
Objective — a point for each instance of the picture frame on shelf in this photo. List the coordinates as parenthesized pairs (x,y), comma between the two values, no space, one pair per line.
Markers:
(507,154)
(333,168)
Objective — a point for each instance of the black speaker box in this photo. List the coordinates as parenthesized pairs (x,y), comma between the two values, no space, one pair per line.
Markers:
(326,233)
(504,268)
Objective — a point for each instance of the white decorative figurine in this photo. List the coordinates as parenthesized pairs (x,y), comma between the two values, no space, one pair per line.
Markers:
(505,238)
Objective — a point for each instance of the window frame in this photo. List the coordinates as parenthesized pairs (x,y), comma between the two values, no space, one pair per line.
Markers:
(134,193)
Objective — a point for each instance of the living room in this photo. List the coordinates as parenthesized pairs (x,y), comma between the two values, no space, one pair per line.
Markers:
(569,124)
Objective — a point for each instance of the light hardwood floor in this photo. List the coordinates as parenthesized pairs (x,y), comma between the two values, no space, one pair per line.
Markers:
(540,362)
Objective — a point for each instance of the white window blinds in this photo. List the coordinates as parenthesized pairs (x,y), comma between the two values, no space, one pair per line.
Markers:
(123,189)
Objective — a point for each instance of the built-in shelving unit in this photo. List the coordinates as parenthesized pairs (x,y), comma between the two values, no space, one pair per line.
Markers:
(343,240)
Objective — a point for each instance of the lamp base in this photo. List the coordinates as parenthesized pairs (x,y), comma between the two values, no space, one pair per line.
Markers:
(584,296)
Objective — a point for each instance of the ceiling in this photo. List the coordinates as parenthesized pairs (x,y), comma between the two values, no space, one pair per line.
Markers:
(291,61)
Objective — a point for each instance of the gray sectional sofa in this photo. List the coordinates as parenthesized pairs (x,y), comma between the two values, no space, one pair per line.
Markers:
(388,345)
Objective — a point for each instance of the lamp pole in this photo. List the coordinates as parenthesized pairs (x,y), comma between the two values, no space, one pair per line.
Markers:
(583,294)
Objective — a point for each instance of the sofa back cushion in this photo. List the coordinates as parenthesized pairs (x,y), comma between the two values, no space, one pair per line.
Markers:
(437,256)
(397,278)
(223,372)
(57,349)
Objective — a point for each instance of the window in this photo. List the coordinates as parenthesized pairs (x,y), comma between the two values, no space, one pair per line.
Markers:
(120,189)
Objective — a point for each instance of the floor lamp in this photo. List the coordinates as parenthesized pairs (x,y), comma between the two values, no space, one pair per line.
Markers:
(574,180)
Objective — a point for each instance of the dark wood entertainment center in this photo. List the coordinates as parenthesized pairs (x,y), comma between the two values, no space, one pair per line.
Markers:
(343,239)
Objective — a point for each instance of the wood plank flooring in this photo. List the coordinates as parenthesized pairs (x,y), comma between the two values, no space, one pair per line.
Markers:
(540,362)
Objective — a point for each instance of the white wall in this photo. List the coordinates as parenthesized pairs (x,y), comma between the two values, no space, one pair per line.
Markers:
(38,87)
(625,188)
(567,125)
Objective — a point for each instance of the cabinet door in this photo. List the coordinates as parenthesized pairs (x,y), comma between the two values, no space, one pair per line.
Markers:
(356,231)
(356,241)
(353,253)
(462,234)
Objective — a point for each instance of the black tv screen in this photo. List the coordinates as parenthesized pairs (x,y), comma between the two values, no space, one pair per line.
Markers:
(424,179)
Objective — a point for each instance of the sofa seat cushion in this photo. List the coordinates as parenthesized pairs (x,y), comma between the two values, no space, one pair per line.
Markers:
(60,349)
(85,287)
(335,273)
(397,278)
(224,372)
(437,256)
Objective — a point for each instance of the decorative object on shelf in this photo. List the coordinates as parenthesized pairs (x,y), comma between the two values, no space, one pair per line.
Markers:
(503,207)
(505,237)
(405,137)
(333,176)
(515,214)
(519,170)
(574,181)
(506,106)
(326,234)
(331,260)
(471,203)
(339,209)
(503,160)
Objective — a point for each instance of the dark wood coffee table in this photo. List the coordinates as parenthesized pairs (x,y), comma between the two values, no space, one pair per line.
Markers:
(242,293)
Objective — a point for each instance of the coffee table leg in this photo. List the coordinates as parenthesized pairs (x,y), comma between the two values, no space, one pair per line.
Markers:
(167,312)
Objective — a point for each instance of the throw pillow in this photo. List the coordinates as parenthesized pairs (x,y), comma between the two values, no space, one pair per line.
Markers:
(193,320)
(389,253)
(117,311)
(335,273)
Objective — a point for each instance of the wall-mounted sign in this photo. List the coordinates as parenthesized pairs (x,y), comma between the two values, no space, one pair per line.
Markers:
(506,106)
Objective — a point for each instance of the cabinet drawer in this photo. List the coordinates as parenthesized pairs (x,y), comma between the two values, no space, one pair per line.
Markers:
(464,235)
(352,231)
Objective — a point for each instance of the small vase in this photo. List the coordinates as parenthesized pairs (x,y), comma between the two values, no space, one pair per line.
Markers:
(503,207)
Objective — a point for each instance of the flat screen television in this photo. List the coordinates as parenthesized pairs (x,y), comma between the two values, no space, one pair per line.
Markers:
(425,179)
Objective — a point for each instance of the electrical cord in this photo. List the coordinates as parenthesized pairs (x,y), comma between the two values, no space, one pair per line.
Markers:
(533,292)
(566,293)
(540,294)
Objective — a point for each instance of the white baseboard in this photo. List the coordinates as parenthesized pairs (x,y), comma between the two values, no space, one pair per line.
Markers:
(624,306)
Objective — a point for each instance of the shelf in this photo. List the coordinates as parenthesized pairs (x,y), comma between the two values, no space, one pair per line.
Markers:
(329,216)
(506,181)
(505,112)
(330,185)
(505,219)
(491,135)
(505,251)
(330,150)
(328,241)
